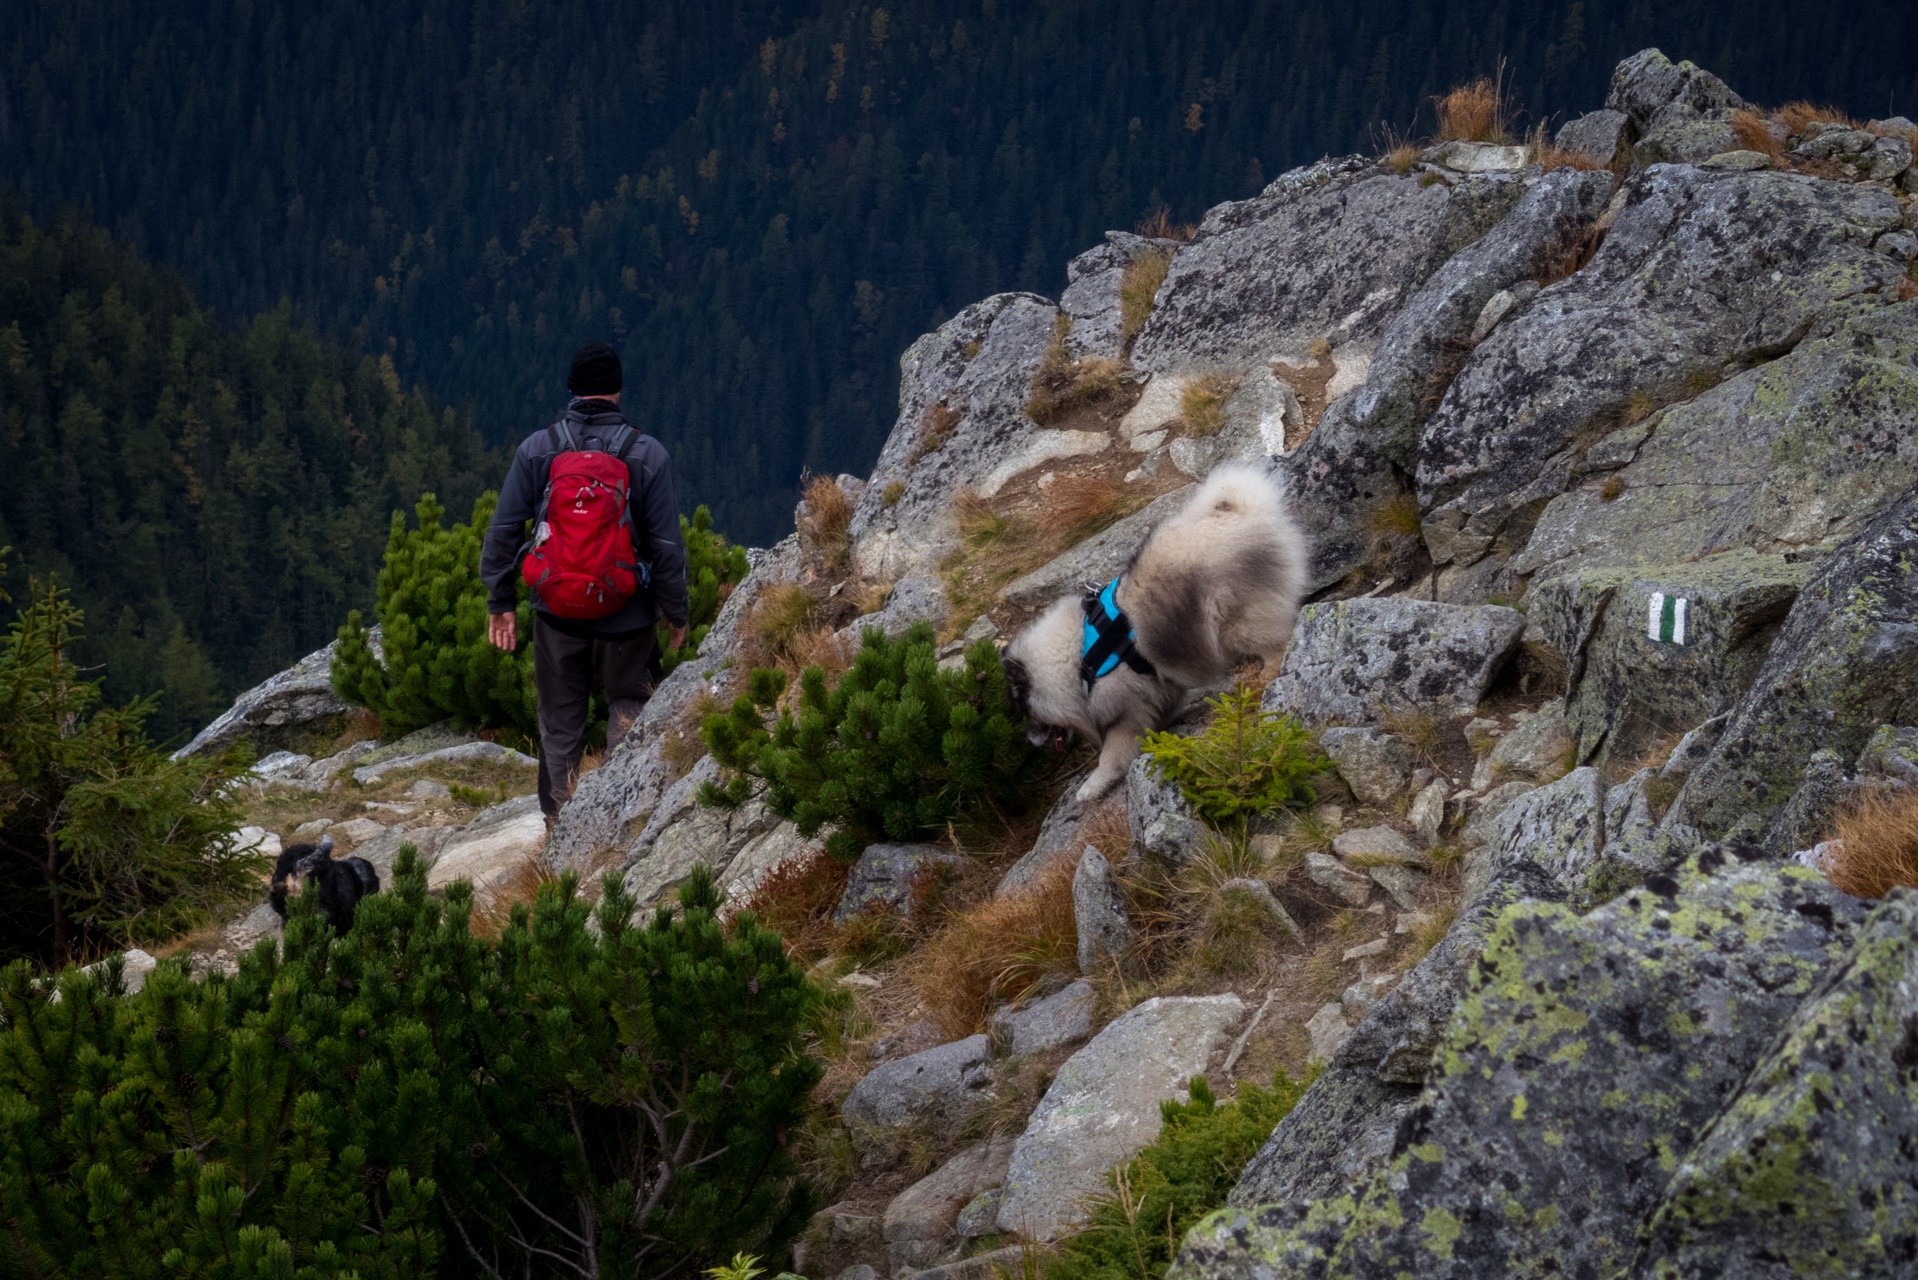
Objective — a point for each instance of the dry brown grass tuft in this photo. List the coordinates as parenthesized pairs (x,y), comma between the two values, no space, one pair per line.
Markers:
(796,902)
(997,950)
(1430,931)
(1202,404)
(1612,489)
(1079,506)
(1320,349)
(1754,134)
(1877,846)
(936,426)
(828,515)
(1107,828)
(1061,383)
(1160,226)
(1639,406)
(1473,112)
(1399,515)
(1417,726)
(780,621)
(1548,155)
(493,905)
(1796,115)
(1138,287)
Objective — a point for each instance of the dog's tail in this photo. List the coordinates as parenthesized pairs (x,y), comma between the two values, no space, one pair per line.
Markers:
(368,876)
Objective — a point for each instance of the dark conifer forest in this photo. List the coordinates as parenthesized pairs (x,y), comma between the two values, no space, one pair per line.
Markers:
(761,205)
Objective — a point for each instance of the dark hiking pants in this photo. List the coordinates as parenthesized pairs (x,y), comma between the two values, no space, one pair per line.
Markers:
(565,670)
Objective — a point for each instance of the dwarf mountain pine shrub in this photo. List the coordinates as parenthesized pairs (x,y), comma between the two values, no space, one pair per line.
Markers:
(412,1100)
(896,750)
(104,839)
(434,660)
(1247,761)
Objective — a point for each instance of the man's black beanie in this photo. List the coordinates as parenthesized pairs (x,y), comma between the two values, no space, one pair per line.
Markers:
(595,371)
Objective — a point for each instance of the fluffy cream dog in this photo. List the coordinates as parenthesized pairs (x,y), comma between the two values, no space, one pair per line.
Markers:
(1213,585)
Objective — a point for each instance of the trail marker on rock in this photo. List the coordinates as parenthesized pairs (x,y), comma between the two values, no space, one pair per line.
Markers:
(1669,616)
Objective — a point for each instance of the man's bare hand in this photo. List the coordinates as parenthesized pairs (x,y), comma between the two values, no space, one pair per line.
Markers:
(677,640)
(503,630)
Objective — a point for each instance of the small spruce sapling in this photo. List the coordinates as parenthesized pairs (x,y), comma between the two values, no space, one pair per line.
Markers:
(1247,762)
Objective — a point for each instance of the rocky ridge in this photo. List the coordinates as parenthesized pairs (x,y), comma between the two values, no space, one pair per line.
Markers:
(1681,370)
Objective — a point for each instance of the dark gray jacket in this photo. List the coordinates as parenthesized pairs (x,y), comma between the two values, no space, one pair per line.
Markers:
(655,511)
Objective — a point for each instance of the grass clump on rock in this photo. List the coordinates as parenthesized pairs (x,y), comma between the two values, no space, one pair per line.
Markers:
(1161,1193)
(897,750)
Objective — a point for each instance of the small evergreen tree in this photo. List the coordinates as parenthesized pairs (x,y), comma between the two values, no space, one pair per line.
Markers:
(713,567)
(1247,762)
(103,838)
(897,750)
(434,660)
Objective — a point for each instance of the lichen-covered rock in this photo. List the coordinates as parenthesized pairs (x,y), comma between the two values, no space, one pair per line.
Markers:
(1589,1056)
(1330,251)
(682,832)
(1164,824)
(911,600)
(279,711)
(1813,1169)
(1559,828)
(1704,271)
(1539,748)
(1092,292)
(1484,822)
(1351,659)
(1648,82)
(1098,913)
(920,1222)
(1604,135)
(1367,442)
(978,365)
(1045,1024)
(1627,688)
(1808,816)
(1104,1106)
(1375,765)
(943,1086)
(1800,451)
(1844,663)
(1058,838)
(886,876)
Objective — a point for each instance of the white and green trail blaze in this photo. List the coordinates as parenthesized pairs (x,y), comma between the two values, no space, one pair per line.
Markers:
(1669,618)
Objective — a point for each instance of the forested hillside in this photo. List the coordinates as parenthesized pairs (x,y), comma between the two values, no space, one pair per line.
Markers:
(762,205)
(217,497)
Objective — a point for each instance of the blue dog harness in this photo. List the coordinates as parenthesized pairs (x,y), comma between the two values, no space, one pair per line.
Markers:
(1108,638)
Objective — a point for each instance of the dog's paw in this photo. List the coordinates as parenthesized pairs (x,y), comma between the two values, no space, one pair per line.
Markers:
(1095,786)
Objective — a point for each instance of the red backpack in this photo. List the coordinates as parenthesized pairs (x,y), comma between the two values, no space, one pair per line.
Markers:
(582,564)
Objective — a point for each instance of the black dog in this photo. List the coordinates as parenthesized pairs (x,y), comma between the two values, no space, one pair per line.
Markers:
(340,884)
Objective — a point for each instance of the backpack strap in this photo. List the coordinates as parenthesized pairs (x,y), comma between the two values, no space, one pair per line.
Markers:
(1108,638)
(563,439)
(623,440)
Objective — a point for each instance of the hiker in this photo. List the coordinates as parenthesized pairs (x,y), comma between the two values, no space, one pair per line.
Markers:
(604,561)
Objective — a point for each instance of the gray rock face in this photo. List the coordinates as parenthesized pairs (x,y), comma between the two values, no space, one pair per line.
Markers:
(487,851)
(1604,135)
(886,874)
(1799,451)
(1092,292)
(1058,838)
(1164,824)
(1648,82)
(383,850)
(278,711)
(487,752)
(1535,750)
(1704,270)
(1559,828)
(942,1086)
(1330,252)
(1367,442)
(1329,873)
(1044,1025)
(1845,662)
(1261,892)
(1626,687)
(917,599)
(920,1223)
(1350,659)
(1098,912)
(1375,765)
(1484,823)
(1589,1058)
(1104,1106)
(1099,558)
(1378,844)
(979,364)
